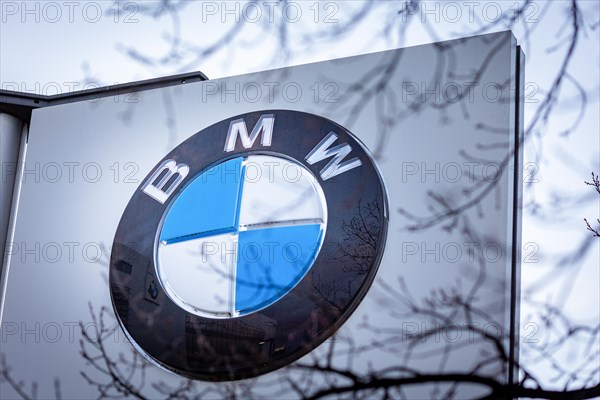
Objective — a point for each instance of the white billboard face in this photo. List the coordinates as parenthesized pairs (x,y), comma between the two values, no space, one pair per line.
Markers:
(274,233)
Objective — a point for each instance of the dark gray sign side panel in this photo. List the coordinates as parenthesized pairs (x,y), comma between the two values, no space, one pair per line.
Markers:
(517,248)
(13,134)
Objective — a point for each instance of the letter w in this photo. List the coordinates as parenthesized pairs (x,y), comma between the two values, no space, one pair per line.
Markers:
(339,152)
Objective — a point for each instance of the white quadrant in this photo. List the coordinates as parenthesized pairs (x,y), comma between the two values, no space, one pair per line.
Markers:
(276,190)
(199,274)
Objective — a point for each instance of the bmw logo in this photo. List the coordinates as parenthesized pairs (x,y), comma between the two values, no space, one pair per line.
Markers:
(248,245)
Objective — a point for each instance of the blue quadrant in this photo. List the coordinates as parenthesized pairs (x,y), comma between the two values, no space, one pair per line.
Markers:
(208,205)
(271,262)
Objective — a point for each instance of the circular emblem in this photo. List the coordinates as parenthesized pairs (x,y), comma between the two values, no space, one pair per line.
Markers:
(248,245)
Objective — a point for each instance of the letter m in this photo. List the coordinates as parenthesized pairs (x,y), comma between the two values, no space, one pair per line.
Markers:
(238,128)
(161,189)
(339,152)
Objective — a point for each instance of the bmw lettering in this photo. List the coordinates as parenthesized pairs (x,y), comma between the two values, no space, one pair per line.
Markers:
(248,245)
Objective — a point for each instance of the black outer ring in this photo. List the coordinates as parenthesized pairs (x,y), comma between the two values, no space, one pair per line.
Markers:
(254,344)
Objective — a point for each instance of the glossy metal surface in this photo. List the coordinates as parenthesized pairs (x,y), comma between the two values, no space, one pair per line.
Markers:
(417,157)
(265,310)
